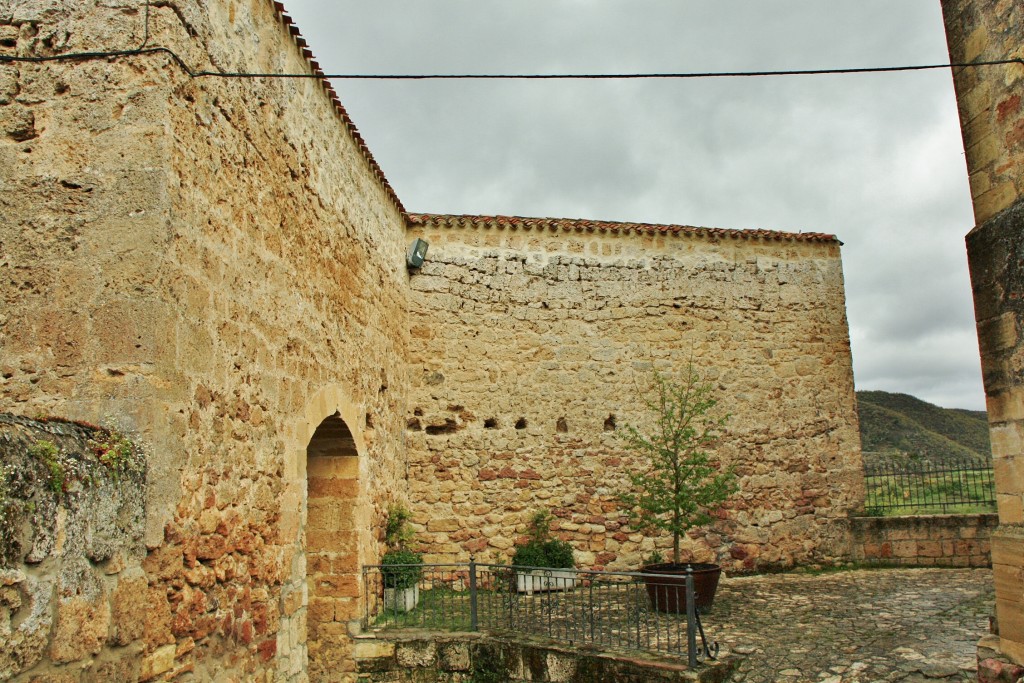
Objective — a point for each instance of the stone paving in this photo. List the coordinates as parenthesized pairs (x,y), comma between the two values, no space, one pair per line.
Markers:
(860,626)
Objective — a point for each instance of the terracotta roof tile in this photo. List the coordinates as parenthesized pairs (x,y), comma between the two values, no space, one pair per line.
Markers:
(346,120)
(585,225)
(518,222)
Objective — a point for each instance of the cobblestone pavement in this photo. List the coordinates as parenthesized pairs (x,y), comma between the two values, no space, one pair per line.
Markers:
(861,626)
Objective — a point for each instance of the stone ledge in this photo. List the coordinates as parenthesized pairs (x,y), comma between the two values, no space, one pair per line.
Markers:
(429,657)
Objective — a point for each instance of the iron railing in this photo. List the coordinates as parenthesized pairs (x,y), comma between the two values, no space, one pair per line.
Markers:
(608,610)
(923,487)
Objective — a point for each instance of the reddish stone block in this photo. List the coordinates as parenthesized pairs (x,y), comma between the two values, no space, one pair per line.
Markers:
(267,649)
(476,545)
(1008,107)
(995,671)
(337,586)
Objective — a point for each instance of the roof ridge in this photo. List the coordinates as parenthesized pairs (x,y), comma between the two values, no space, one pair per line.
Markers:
(615,227)
(288,23)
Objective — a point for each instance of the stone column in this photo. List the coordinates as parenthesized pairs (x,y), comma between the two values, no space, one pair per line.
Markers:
(992,122)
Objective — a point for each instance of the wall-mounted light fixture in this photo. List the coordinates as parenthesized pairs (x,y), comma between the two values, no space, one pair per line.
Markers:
(417,252)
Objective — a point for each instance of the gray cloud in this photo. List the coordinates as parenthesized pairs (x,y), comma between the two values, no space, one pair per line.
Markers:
(875,159)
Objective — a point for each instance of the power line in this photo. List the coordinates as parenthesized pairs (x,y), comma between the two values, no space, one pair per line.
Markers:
(192,73)
(142,49)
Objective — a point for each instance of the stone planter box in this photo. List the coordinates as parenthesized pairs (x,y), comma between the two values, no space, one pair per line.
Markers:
(543,580)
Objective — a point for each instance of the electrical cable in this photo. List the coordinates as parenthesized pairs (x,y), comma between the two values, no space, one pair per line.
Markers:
(143,50)
(84,56)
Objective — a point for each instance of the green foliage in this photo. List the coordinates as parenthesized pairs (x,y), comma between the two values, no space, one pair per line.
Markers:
(541,550)
(48,454)
(405,576)
(117,453)
(900,423)
(530,555)
(11,509)
(397,533)
(680,483)
(655,558)
(559,554)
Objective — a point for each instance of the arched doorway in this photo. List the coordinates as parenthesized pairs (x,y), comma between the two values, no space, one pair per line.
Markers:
(331,543)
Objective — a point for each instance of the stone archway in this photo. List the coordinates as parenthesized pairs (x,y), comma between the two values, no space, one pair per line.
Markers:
(331,543)
(325,512)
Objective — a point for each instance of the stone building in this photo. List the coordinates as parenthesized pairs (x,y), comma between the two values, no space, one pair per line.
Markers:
(218,266)
(992,122)
(532,341)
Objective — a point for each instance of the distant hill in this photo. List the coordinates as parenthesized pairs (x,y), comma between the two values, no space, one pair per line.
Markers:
(891,423)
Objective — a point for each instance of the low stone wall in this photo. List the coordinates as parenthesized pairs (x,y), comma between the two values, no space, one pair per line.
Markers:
(933,540)
(465,657)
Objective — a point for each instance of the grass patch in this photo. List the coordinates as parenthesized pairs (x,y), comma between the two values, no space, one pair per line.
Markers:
(930,492)
(438,609)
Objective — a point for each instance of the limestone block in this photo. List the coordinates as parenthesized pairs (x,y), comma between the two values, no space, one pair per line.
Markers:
(81,628)
(158,662)
(24,635)
(417,653)
(371,648)
(129,606)
(454,656)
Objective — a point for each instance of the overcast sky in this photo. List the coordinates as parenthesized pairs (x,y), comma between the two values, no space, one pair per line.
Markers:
(875,159)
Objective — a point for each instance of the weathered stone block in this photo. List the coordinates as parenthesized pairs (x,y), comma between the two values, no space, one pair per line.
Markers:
(156,663)
(81,628)
(129,607)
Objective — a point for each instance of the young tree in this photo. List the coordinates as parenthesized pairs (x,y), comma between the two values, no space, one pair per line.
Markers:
(681,482)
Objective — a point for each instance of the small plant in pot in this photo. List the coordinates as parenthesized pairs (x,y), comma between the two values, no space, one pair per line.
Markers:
(679,484)
(549,560)
(401,568)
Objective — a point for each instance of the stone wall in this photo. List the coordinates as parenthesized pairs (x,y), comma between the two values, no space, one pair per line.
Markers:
(925,541)
(469,657)
(72,587)
(530,343)
(219,265)
(992,122)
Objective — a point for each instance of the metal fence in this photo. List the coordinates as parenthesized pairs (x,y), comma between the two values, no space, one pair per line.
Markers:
(609,610)
(923,487)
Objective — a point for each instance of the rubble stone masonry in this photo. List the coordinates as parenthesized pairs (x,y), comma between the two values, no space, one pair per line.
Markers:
(217,265)
(532,340)
(992,122)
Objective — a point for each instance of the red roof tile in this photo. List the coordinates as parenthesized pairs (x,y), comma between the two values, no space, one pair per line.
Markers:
(346,120)
(518,222)
(585,225)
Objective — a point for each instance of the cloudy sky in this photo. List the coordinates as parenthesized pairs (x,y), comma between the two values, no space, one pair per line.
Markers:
(874,159)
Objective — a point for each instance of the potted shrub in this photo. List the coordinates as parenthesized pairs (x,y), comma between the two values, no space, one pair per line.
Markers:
(679,483)
(549,560)
(401,568)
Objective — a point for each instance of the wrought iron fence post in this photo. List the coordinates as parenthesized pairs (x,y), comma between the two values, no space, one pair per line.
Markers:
(472,594)
(691,620)
(366,598)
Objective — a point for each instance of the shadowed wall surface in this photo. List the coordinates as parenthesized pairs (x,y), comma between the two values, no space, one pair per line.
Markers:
(992,122)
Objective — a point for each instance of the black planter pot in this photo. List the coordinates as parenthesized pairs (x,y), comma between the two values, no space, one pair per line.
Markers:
(666,585)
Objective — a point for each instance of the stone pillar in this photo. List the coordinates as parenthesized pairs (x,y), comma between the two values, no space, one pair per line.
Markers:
(992,122)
